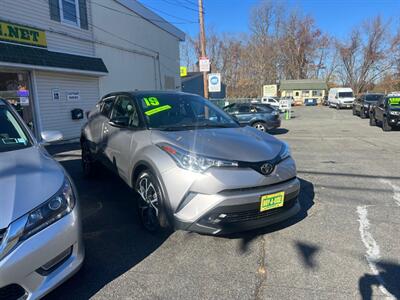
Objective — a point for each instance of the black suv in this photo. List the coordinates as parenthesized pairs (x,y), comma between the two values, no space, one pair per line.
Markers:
(363,103)
(386,112)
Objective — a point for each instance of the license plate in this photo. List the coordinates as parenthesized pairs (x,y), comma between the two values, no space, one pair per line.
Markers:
(272,201)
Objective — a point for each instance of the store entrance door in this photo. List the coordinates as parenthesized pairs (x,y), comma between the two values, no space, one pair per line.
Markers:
(15,87)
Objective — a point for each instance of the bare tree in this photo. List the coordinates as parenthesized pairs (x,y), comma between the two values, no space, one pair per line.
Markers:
(365,58)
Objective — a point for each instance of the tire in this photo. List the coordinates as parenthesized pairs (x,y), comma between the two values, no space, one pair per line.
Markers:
(149,202)
(362,114)
(89,163)
(337,106)
(385,125)
(372,120)
(354,111)
(260,126)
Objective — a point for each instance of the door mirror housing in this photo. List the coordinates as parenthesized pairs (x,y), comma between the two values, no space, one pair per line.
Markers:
(51,136)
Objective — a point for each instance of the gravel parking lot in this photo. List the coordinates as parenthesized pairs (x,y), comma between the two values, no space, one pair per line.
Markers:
(343,245)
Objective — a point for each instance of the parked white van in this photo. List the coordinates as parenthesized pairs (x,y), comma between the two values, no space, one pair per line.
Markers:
(341,98)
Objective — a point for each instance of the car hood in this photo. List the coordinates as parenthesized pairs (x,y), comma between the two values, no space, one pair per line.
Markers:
(28,177)
(241,144)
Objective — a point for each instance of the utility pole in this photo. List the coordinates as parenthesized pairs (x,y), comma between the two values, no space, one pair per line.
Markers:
(203,45)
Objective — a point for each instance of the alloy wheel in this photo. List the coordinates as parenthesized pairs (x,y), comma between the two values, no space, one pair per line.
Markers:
(148,203)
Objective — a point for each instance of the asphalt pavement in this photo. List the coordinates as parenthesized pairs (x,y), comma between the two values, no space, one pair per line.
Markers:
(344,244)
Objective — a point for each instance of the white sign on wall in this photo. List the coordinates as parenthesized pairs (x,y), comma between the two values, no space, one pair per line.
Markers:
(214,82)
(56,94)
(73,96)
(204,64)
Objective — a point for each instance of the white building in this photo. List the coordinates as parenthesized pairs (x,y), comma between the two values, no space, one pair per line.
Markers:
(59,55)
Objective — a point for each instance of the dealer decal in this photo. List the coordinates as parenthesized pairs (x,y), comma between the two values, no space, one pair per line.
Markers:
(157,110)
(394,101)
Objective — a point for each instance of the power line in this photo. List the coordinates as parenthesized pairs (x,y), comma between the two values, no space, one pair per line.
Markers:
(115,35)
(186,21)
(184,6)
(168,14)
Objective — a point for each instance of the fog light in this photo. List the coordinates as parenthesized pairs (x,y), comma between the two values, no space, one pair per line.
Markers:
(55,262)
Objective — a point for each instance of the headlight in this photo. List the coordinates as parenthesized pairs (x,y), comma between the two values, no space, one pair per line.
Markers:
(395,113)
(193,162)
(52,210)
(49,212)
(285,152)
(275,113)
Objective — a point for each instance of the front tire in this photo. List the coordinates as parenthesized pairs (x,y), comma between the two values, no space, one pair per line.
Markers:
(89,163)
(362,114)
(354,111)
(149,202)
(372,120)
(385,125)
(260,126)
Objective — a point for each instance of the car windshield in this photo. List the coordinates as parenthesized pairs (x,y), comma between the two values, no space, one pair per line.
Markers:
(12,135)
(178,112)
(394,102)
(345,95)
(373,98)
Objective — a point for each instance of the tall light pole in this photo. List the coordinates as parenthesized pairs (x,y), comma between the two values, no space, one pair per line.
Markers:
(203,45)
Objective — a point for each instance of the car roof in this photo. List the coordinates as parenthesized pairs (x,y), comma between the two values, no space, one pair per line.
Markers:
(148,92)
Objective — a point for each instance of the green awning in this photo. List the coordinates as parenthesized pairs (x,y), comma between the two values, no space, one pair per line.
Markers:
(21,55)
(303,84)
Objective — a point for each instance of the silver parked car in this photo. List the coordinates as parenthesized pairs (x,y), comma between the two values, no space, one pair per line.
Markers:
(40,235)
(193,166)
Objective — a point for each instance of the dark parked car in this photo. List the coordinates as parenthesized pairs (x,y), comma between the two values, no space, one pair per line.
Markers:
(362,104)
(260,116)
(311,102)
(386,112)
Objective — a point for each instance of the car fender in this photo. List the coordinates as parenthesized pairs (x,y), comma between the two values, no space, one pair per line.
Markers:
(157,161)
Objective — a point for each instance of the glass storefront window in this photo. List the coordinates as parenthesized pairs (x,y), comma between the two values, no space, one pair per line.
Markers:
(15,87)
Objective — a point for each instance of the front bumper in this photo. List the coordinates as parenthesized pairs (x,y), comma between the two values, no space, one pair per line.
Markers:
(272,124)
(239,210)
(345,105)
(393,120)
(43,261)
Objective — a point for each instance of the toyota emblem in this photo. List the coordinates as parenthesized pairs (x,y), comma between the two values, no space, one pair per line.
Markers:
(266,168)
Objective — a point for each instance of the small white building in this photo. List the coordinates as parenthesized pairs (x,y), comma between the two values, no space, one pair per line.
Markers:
(61,55)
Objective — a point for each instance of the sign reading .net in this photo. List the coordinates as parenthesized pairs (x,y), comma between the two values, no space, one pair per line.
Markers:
(214,82)
(204,64)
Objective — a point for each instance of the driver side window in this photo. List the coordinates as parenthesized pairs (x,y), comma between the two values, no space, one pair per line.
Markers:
(124,112)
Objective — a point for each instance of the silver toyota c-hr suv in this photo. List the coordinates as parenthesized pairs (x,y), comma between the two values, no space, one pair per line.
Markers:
(40,228)
(193,166)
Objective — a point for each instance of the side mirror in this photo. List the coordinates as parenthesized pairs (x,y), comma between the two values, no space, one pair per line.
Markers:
(119,122)
(51,136)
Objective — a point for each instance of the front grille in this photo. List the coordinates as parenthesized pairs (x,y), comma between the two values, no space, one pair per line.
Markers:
(255,214)
(12,292)
(2,232)
(348,102)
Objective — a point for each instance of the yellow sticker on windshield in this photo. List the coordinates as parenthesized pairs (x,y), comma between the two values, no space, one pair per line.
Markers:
(157,110)
(394,101)
(151,101)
